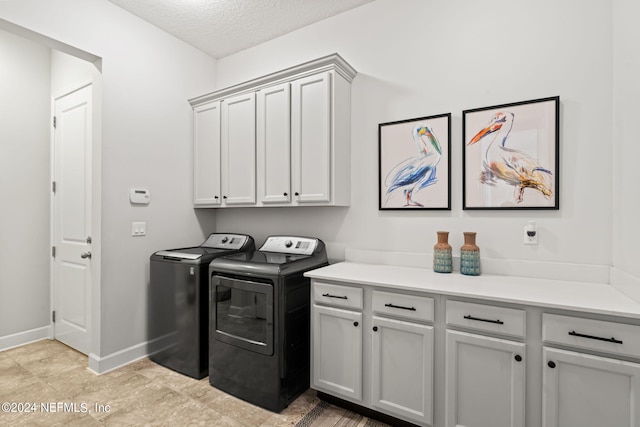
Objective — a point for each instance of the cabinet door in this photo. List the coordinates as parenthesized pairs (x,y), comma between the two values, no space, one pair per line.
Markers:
(206,154)
(311,138)
(402,369)
(485,381)
(274,144)
(238,163)
(589,391)
(337,352)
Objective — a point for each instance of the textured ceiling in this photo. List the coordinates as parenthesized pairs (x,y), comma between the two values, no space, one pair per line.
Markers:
(223,27)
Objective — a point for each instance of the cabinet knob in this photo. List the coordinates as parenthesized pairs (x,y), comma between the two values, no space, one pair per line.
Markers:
(216,197)
(224,197)
(296,193)
(285,194)
(355,324)
(375,329)
(518,358)
(551,364)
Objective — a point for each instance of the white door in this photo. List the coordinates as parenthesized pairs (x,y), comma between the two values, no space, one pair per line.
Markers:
(72,219)
(485,381)
(337,352)
(311,138)
(239,150)
(274,144)
(589,391)
(206,155)
(402,369)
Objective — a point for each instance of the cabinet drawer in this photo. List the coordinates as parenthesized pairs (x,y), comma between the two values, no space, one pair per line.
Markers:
(481,317)
(599,335)
(337,295)
(401,305)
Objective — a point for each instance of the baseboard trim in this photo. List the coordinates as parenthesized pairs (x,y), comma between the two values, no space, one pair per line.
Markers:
(102,365)
(26,337)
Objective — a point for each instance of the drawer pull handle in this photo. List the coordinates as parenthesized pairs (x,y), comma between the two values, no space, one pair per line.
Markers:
(498,322)
(613,340)
(399,306)
(334,296)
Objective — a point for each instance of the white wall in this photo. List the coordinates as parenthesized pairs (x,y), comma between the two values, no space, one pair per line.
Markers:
(24,187)
(626,110)
(424,57)
(147,78)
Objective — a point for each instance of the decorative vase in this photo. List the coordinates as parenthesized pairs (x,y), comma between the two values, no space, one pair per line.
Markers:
(442,254)
(470,255)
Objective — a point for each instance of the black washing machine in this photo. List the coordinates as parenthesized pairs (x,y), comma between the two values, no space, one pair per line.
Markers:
(259,322)
(178,311)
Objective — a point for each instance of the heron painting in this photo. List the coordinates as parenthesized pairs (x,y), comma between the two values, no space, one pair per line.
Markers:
(511,156)
(414,163)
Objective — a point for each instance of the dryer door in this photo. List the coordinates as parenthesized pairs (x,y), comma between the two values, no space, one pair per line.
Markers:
(242,313)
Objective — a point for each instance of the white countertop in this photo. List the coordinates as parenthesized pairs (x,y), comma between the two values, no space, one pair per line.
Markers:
(566,295)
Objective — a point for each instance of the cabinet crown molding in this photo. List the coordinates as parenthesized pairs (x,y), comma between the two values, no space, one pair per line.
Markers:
(326,63)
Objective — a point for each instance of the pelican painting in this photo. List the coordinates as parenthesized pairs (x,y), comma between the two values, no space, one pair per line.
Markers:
(517,159)
(413,158)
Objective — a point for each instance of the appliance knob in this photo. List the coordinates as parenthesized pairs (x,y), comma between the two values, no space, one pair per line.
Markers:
(225,239)
(551,364)
(288,243)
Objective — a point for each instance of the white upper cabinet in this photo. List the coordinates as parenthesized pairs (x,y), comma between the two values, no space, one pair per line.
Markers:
(284,139)
(311,138)
(206,150)
(238,150)
(274,144)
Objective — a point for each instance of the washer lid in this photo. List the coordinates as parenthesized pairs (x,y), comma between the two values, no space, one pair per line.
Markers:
(192,253)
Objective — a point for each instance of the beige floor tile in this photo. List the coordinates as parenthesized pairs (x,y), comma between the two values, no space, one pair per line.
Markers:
(142,393)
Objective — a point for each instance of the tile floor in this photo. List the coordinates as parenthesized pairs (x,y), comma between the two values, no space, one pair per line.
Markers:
(55,378)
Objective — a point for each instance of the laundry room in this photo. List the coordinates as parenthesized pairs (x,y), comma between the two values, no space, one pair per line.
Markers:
(405,61)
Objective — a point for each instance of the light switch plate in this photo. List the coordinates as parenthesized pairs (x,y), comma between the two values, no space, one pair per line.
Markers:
(138,228)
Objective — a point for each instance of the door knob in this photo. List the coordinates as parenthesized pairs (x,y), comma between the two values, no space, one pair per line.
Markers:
(84,255)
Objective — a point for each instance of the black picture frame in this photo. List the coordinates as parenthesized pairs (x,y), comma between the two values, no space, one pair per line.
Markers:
(511,156)
(414,164)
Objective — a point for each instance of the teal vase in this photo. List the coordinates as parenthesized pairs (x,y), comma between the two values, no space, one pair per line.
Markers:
(442,254)
(470,255)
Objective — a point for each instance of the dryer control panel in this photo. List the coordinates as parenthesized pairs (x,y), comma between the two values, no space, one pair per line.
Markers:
(290,245)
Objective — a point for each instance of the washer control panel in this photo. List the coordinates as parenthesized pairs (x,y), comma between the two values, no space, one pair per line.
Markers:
(225,241)
(290,245)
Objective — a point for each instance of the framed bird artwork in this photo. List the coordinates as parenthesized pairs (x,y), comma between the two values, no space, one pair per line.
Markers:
(415,163)
(511,155)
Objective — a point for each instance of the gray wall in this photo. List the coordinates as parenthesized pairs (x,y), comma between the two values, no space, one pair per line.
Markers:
(424,57)
(145,141)
(24,185)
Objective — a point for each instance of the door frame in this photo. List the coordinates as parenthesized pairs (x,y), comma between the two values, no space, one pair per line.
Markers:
(95,208)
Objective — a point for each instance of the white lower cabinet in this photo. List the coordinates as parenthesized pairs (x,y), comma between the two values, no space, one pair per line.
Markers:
(485,381)
(402,369)
(337,352)
(446,362)
(589,391)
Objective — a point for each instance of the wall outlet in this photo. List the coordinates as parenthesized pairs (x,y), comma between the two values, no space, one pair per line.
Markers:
(138,228)
(530,234)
